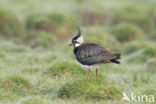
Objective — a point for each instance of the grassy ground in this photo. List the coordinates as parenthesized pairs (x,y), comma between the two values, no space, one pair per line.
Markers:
(37,66)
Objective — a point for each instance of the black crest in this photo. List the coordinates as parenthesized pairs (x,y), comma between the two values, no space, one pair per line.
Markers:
(78,35)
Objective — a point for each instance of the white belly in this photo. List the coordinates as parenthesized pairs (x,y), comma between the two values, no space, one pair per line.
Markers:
(86,67)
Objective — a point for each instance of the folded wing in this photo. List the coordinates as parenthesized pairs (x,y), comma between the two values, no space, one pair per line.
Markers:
(89,54)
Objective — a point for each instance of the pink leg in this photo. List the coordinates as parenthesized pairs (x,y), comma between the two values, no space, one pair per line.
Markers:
(96,72)
(88,72)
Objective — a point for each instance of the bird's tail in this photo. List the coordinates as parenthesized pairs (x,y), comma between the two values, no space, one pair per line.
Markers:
(115,60)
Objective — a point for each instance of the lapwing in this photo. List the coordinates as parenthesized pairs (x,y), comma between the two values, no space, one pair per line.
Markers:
(90,55)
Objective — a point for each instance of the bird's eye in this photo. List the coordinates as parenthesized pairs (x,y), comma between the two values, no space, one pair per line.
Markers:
(76,42)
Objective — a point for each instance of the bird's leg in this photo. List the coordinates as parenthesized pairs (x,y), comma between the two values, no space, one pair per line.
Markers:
(88,72)
(96,72)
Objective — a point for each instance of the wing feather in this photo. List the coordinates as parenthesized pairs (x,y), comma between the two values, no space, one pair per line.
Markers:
(89,54)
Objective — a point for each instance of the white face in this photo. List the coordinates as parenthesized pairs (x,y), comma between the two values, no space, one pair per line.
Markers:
(79,41)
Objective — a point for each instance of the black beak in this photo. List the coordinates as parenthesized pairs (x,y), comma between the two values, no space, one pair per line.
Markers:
(71,44)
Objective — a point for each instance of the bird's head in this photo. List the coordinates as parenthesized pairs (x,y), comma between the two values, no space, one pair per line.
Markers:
(77,40)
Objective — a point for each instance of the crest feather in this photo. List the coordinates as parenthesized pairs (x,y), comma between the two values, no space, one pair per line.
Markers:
(79,32)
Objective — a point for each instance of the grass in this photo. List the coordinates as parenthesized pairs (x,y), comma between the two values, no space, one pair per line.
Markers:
(93,89)
(10,25)
(38,67)
(126,32)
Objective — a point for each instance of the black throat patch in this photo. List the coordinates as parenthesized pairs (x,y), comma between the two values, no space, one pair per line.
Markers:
(75,50)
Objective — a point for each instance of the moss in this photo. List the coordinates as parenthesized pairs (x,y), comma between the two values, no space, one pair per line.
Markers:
(91,88)
(126,32)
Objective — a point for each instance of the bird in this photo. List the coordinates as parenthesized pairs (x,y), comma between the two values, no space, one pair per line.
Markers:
(91,55)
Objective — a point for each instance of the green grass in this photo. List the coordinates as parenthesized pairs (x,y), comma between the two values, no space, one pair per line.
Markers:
(126,32)
(38,67)
(92,89)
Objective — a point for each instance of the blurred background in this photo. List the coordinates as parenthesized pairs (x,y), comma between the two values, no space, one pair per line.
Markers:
(38,67)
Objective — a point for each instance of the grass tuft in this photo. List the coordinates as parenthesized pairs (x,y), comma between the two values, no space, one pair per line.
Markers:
(126,32)
(133,46)
(147,53)
(15,86)
(92,88)
(134,16)
(63,68)
(10,25)
(150,65)
(150,92)
(35,100)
